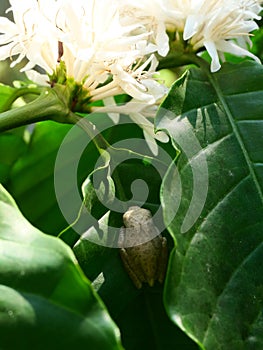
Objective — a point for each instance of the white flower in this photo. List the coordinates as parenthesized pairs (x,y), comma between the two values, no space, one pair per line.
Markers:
(217,23)
(152,17)
(140,113)
(32,35)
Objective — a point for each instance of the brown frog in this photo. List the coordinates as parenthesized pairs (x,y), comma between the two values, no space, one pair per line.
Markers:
(145,262)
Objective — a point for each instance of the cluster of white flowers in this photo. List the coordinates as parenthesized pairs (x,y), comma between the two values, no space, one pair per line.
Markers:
(109,46)
(219,26)
(88,37)
(101,53)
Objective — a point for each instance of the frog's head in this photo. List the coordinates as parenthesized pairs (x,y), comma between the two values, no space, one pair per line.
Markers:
(135,216)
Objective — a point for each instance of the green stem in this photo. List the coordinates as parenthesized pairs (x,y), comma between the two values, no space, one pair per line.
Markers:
(91,130)
(200,62)
(119,186)
(46,106)
(101,144)
(19,93)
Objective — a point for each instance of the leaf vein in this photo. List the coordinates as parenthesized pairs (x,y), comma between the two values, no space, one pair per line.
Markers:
(233,124)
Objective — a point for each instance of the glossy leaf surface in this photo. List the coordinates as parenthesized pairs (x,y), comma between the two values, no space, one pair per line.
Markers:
(46,302)
(214,287)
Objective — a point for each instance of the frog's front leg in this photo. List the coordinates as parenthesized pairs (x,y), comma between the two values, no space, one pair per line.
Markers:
(162,261)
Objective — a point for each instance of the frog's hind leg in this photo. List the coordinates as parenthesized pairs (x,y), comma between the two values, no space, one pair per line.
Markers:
(125,259)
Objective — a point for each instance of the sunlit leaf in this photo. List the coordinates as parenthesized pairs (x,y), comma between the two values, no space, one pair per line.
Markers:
(214,287)
(46,302)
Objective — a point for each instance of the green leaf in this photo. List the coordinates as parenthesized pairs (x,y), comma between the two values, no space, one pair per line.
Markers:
(45,300)
(12,145)
(214,288)
(31,180)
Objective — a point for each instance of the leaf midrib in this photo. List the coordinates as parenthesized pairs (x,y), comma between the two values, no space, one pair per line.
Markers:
(233,123)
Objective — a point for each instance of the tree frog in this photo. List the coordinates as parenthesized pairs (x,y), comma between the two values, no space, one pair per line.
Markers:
(144,262)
